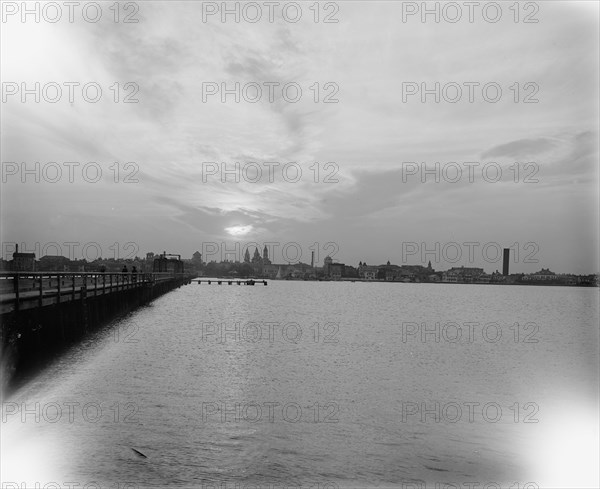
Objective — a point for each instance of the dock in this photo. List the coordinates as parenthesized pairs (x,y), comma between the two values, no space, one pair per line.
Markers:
(29,290)
(229,282)
(43,313)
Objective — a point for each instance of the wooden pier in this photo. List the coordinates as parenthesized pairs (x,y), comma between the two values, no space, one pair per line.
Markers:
(27,290)
(220,281)
(41,313)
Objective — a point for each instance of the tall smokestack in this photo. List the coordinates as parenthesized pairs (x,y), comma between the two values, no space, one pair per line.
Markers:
(312,260)
(505,261)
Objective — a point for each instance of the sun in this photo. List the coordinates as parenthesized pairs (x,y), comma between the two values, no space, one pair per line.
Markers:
(238,230)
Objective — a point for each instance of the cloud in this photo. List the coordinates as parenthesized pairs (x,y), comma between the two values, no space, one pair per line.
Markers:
(368,133)
(523,148)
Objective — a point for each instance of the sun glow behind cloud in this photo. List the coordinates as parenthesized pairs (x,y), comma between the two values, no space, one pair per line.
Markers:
(238,230)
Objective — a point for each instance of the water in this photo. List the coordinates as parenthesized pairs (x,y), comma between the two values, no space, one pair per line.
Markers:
(331,393)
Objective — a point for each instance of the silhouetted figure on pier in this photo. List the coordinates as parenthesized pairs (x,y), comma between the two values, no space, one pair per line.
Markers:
(124,271)
(134,274)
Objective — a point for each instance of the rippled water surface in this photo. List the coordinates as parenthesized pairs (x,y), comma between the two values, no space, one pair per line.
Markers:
(320,383)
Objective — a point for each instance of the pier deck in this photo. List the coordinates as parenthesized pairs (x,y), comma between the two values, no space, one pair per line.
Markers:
(220,281)
(28,290)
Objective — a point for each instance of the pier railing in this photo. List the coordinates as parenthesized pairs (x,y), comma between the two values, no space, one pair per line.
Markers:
(24,290)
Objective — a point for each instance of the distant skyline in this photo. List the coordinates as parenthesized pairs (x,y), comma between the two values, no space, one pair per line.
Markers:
(286,253)
(375,206)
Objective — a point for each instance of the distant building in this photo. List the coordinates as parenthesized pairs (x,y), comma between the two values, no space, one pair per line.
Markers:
(367,272)
(543,275)
(162,264)
(497,278)
(394,273)
(266,260)
(484,278)
(449,277)
(467,270)
(350,271)
(333,270)
(256,262)
(415,273)
(23,262)
(284,271)
(336,270)
(465,275)
(434,277)
(260,264)
(505,261)
(197,258)
(270,270)
(327,265)
(301,270)
(53,263)
(388,272)
(588,280)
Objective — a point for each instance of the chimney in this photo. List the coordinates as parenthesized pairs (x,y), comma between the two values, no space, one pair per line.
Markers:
(312,260)
(505,261)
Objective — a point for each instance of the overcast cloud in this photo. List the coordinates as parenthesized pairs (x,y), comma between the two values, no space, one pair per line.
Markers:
(375,206)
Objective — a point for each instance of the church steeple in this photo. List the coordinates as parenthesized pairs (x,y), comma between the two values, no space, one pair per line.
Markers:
(266,260)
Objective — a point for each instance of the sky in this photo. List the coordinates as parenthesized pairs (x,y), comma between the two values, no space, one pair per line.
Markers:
(156,179)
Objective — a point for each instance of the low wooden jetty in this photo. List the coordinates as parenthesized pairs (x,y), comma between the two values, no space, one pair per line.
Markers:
(230,282)
(42,313)
(28,290)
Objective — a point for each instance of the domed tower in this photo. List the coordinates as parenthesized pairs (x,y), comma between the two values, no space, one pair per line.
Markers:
(327,265)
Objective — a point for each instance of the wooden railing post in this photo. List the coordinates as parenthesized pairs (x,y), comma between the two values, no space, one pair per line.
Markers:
(16,288)
(41,293)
